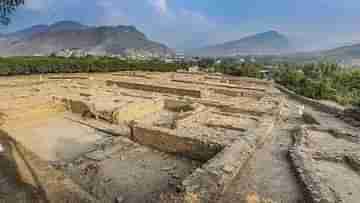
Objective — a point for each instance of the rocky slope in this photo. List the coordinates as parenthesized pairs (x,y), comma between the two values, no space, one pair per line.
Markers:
(102,40)
(267,43)
(352,51)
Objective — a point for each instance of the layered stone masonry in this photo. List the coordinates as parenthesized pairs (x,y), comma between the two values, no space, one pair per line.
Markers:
(156,88)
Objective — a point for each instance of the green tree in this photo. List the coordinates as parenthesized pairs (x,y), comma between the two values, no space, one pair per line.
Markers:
(7,7)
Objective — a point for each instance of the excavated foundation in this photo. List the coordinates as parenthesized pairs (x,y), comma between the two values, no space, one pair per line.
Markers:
(136,137)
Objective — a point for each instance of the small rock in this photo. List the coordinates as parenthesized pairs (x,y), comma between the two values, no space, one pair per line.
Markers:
(107,180)
(175,176)
(85,94)
(228,168)
(119,199)
(172,183)
(168,168)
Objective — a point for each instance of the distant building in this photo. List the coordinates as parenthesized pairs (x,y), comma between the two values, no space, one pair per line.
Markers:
(73,52)
(39,54)
(179,57)
(169,60)
(242,60)
(355,62)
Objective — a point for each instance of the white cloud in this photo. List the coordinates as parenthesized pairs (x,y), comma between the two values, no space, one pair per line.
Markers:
(161,6)
(174,26)
(156,18)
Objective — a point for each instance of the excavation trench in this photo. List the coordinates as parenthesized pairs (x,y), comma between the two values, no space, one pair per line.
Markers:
(104,166)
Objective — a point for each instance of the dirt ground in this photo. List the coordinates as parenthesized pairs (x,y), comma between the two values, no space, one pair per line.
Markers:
(132,172)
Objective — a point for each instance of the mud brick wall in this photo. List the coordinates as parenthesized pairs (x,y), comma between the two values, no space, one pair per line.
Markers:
(206,184)
(156,88)
(132,74)
(176,104)
(78,107)
(231,109)
(234,93)
(68,78)
(220,84)
(242,80)
(167,141)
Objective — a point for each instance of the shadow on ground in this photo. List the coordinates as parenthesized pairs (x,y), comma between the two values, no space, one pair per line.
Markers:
(12,187)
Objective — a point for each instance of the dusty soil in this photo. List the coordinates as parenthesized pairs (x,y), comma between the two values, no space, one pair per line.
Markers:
(56,138)
(130,171)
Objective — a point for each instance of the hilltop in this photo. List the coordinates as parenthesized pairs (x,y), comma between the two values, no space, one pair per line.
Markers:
(96,40)
(267,43)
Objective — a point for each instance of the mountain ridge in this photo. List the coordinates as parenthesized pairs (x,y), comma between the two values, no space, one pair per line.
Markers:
(265,43)
(95,40)
(348,51)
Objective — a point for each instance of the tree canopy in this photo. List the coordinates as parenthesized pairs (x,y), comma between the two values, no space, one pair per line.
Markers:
(322,81)
(7,7)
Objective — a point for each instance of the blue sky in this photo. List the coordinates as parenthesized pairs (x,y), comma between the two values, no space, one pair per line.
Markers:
(194,23)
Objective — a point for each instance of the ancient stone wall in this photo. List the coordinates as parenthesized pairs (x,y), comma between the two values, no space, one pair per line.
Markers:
(167,141)
(237,93)
(210,181)
(156,88)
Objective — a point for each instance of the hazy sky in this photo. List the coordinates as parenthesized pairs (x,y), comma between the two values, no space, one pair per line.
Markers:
(193,23)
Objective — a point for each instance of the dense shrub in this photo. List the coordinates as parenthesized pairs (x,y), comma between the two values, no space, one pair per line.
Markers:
(322,81)
(239,69)
(36,65)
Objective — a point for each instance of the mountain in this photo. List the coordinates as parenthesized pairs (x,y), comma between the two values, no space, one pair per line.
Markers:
(28,32)
(95,40)
(267,43)
(345,52)
(66,26)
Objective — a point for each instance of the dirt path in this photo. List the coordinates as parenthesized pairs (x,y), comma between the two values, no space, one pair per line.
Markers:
(268,175)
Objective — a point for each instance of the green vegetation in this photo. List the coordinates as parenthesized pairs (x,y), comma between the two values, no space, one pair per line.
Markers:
(232,66)
(322,82)
(242,70)
(36,65)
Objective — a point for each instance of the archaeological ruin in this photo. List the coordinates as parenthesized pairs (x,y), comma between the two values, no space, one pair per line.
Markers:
(169,137)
